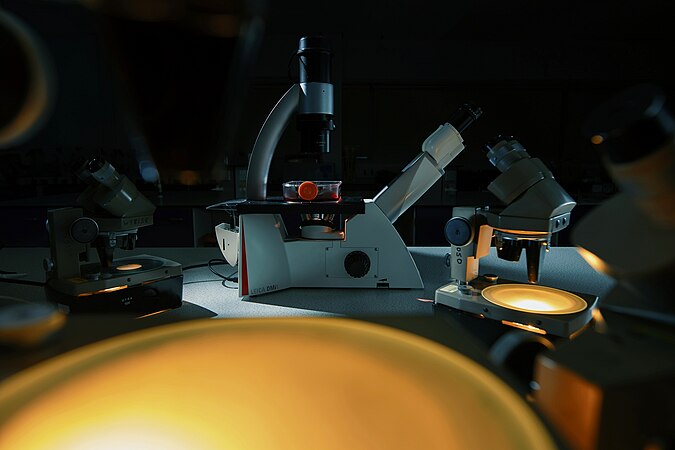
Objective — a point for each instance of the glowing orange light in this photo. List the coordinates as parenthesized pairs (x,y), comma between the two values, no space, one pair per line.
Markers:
(188,177)
(272,383)
(597,139)
(523,326)
(103,291)
(129,267)
(594,261)
(153,313)
(534,299)
(523,232)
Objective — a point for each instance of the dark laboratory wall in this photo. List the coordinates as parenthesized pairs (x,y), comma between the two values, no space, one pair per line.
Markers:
(400,68)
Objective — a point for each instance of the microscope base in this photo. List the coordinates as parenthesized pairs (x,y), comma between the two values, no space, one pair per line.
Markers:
(142,299)
(472,301)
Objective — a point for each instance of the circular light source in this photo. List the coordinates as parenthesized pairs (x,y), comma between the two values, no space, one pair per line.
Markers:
(126,267)
(265,383)
(534,299)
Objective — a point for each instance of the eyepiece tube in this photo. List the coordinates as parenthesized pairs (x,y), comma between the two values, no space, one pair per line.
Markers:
(465,116)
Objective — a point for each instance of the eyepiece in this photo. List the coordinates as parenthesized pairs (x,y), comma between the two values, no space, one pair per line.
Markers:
(504,150)
(465,116)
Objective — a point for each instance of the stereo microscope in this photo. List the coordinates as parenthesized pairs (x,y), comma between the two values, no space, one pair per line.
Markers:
(536,207)
(112,210)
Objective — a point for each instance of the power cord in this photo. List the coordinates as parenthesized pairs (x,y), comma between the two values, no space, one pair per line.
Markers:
(232,278)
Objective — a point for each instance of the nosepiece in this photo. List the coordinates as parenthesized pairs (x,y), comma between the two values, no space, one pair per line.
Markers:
(510,247)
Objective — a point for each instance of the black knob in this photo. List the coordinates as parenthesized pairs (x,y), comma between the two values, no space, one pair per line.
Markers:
(84,230)
(357,264)
(458,231)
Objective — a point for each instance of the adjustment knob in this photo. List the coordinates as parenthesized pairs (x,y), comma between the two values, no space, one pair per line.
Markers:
(458,231)
(357,264)
(84,230)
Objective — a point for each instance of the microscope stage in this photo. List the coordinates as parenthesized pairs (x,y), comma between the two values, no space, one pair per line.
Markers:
(534,308)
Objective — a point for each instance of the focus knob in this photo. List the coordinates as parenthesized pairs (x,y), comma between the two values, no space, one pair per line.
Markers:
(84,230)
(458,231)
(357,264)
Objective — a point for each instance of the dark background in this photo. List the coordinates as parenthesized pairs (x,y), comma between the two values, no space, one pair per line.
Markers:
(400,69)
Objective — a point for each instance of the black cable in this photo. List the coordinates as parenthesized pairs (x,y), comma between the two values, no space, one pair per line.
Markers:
(224,284)
(290,61)
(202,281)
(226,278)
(196,266)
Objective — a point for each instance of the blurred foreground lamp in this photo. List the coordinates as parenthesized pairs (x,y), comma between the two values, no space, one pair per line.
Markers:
(631,237)
(615,388)
(265,383)
(27,85)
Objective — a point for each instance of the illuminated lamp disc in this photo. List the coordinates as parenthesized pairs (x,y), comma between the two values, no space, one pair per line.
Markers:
(126,267)
(265,383)
(534,299)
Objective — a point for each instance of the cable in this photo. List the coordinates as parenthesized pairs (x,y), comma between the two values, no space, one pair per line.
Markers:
(226,278)
(197,266)
(202,281)
(216,262)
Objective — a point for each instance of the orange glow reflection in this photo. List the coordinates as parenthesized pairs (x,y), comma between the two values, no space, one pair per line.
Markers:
(534,299)
(597,139)
(129,267)
(523,326)
(594,261)
(102,291)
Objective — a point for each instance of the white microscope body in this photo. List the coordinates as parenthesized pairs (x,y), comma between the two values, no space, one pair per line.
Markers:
(366,251)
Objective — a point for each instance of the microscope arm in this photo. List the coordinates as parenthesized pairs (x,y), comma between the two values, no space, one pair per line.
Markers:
(417,177)
(266,143)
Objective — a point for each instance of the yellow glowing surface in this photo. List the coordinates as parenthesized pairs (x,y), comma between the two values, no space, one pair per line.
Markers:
(523,326)
(103,291)
(129,267)
(265,383)
(534,299)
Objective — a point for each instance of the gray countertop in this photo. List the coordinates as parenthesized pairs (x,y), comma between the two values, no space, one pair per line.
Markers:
(204,296)
(563,268)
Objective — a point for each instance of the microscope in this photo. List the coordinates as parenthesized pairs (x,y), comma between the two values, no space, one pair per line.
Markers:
(620,375)
(344,242)
(112,210)
(536,206)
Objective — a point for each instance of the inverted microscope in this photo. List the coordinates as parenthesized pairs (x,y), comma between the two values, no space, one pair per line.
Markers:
(111,213)
(344,242)
(536,207)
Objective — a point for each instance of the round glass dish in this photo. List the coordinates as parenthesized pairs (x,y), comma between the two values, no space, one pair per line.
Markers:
(317,191)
